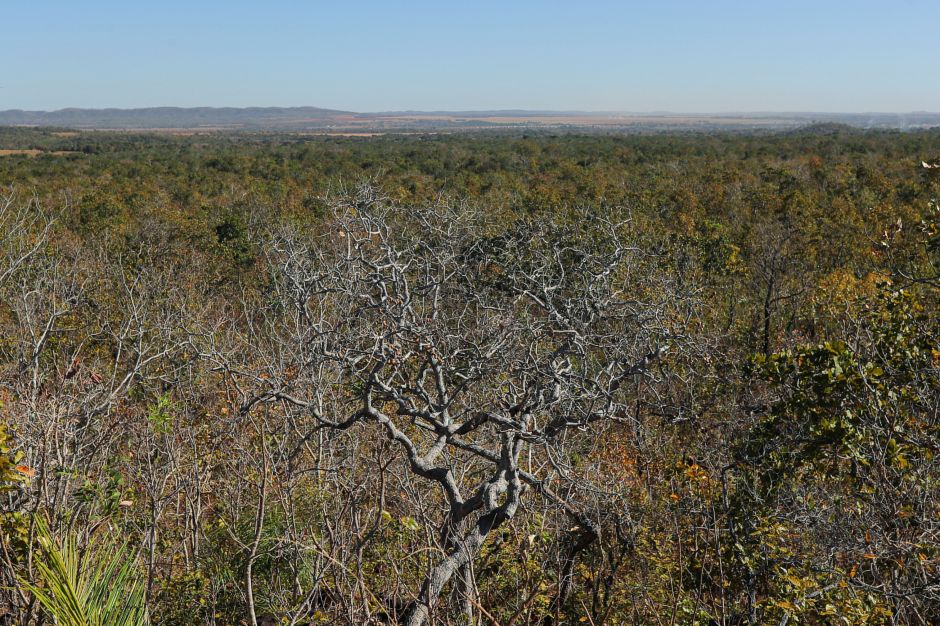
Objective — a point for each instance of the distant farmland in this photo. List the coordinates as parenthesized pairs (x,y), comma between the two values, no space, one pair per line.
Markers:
(170,119)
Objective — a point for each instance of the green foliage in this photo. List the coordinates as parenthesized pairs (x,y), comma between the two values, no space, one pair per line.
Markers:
(11,473)
(232,236)
(849,443)
(182,599)
(160,415)
(14,523)
(845,403)
(799,485)
(104,492)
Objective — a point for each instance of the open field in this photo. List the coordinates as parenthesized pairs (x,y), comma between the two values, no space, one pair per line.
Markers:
(35,152)
(581,120)
(175,120)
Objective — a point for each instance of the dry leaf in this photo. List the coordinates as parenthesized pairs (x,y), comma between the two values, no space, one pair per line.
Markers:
(25,470)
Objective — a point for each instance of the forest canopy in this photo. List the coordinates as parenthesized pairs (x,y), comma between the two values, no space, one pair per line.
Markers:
(480,378)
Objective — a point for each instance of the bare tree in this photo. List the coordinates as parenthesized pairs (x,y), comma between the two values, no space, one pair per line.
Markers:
(82,332)
(480,352)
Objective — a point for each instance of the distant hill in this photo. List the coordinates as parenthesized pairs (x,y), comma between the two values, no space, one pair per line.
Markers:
(173,117)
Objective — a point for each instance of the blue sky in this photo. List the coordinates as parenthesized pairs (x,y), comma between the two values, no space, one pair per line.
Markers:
(703,56)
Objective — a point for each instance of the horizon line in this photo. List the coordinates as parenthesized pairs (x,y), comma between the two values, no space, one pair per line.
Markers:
(656,112)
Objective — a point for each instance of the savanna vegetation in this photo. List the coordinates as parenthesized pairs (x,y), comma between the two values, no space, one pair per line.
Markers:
(470,379)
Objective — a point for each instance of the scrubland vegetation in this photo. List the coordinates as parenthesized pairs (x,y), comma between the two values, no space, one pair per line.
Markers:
(470,379)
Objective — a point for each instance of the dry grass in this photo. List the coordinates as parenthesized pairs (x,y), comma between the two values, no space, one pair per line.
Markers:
(31,152)
(14,152)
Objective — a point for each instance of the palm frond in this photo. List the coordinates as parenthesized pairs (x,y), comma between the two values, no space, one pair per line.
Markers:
(97,586)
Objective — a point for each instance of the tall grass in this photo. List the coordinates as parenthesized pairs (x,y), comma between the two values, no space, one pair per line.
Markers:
(98,585)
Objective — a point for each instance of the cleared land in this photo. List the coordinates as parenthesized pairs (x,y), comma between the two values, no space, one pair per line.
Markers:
(34,152)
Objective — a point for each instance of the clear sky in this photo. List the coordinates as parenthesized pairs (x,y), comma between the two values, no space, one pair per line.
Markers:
(676,55)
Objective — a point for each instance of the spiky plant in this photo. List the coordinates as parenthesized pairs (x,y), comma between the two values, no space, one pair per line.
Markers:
(99,585)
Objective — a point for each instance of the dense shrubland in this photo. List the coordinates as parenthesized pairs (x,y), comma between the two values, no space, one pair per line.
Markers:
(471,379)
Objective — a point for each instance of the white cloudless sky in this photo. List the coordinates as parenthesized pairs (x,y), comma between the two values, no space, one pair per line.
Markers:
(675,55)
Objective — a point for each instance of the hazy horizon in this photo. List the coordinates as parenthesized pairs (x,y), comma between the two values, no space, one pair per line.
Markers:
(676,56)
(465,110)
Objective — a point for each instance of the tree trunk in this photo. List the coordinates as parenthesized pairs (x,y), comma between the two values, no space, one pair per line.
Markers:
(256,541)
(507,482)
